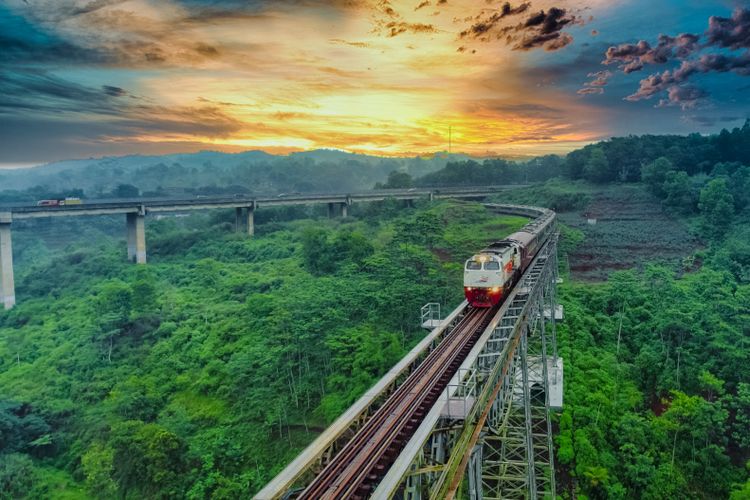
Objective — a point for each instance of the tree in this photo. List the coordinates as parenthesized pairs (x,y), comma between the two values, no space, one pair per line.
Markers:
(126,191)
(97,468)
(655,173)
(396,180)
(678,191)
(597,167)
(716,206)
(739,183)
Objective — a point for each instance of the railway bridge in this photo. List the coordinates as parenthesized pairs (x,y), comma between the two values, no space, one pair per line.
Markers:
(136,210)
(466,413)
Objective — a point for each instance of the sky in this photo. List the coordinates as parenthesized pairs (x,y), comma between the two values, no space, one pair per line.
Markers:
(90,78)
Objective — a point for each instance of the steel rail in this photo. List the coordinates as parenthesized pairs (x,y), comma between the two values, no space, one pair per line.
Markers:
(399,470)
(347,474)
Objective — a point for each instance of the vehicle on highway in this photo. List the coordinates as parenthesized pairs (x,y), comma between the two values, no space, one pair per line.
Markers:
(491,274)
(59,202)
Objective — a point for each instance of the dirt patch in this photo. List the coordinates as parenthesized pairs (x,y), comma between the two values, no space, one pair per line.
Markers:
(442,254)
(631,228)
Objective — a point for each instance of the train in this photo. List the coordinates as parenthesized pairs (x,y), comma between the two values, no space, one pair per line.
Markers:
(59,202)
(490,275)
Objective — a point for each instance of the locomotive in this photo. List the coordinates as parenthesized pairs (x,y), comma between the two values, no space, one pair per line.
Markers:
(491,274)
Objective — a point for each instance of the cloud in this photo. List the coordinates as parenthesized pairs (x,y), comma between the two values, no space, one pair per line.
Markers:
(732,32)
(114,91)
(590,90)
(396,28)
(633,57)
(93,6)
(542,29)
(710,121)
(707,63)
(596,86)
(686,97)
(486,24)
(723,33)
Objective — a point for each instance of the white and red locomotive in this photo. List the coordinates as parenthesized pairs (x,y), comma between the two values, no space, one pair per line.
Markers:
(490,275)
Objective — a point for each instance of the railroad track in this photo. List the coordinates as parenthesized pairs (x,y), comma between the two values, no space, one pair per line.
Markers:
(355,471)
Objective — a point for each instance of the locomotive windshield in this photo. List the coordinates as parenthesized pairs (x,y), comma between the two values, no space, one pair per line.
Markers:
(491,266)
(473,265)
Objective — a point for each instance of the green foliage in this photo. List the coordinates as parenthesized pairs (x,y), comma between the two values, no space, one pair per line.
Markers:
(202,373)
(596,168)
(16,476)
(655,173)
(396,180)
(678,191)
(716,206)
(655,399)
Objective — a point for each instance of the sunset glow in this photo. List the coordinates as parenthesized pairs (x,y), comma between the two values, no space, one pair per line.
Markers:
(374,76)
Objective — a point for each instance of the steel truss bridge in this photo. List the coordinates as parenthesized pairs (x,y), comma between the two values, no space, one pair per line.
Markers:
(466,413)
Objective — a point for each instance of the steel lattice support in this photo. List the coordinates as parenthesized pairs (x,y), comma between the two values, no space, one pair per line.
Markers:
(493,437)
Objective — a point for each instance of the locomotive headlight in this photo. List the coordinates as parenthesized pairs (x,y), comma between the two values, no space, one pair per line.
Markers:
(468,288)
(495,289)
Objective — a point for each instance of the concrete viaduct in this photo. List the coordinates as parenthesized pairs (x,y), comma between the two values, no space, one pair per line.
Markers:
(135,211)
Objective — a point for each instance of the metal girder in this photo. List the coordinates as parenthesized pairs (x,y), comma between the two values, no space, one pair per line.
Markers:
(501,447)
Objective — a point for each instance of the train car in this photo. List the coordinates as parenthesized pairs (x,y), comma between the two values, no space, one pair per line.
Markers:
(60,202)
(47,203)
(491,274)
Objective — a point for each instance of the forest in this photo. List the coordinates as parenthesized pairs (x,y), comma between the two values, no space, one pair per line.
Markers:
(203,373)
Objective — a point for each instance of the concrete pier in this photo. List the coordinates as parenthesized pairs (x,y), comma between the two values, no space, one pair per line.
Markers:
(250,221)
(333,210)
(238,220)
(136,237)
(7,284)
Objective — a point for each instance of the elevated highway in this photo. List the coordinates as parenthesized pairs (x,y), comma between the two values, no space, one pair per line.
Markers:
(136,210)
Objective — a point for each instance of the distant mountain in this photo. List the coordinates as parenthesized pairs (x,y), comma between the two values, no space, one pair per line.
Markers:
(216,172)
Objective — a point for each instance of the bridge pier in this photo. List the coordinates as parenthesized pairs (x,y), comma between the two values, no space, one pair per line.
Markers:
(250,221)
(238,219)
(332,211)
(136,223)
(7,284)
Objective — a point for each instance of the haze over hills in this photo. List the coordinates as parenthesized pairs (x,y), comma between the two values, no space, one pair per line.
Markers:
(318,170)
